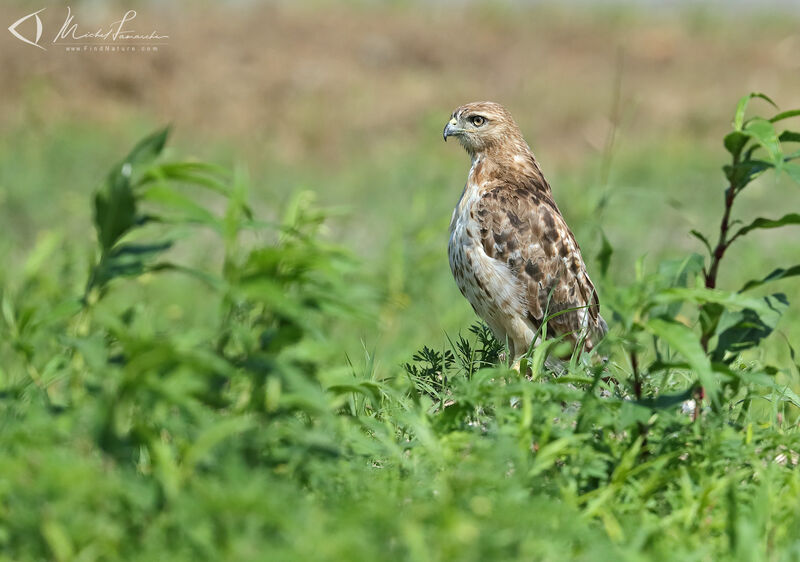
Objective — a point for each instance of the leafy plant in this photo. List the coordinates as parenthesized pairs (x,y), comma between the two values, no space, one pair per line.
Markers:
(178,408)
(729,322)
(677,339)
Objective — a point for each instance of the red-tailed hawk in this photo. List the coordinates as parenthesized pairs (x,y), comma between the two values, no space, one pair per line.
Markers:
(512,254)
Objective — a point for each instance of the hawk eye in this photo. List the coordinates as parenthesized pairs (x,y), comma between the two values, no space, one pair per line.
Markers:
(477,120)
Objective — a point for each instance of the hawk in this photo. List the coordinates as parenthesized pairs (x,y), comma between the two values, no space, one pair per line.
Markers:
(511,252)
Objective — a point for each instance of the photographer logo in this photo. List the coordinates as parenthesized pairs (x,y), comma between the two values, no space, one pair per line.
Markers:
(118,36)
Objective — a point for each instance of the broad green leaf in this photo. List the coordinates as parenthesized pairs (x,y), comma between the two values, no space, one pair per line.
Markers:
(764,133)
(779,273)
(115,206)
(114,210)
(677,272)
(741,174)
(709,316)
(686,342)
(741,107)
(745,329)
(793,170)
(631,413)
(735,141)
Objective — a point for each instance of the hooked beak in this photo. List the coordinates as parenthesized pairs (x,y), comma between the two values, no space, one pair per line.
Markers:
(450,129)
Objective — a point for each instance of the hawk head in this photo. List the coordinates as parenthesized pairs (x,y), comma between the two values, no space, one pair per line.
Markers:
(484,125)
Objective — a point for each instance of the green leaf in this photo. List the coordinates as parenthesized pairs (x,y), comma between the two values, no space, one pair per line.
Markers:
(115,206)
(211,280)
(791,218)
(627,462)
(209,176)
(699,235)
(147,149)
(114,210)
(548,455)
(125,260)
(793,170)
(745,329)
(165,467)
(191,211)
(785,115)
(789,136)
(677,272)
(633,413)
(741,107)
(710,314)
(139,251)
(741,174)
(370,389)
(57,539)
(683,340)
(211,437)
(702,296)
(779,273)
(735,141)
(46,246)
(665,401)
(764,134)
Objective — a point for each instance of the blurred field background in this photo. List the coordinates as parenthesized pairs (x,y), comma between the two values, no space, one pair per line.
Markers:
(267,412)
(625,105)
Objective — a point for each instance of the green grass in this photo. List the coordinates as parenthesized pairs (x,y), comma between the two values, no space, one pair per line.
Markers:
(295,385)
(262,397)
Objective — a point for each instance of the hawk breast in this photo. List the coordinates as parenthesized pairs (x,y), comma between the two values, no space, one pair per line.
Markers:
(512,255)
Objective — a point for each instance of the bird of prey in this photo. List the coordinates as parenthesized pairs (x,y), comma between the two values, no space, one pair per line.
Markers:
(511,252)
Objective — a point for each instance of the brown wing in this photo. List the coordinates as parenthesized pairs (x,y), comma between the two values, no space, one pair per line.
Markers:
(523,228)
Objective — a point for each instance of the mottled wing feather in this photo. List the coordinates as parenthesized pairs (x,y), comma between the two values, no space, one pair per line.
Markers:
(523,228)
